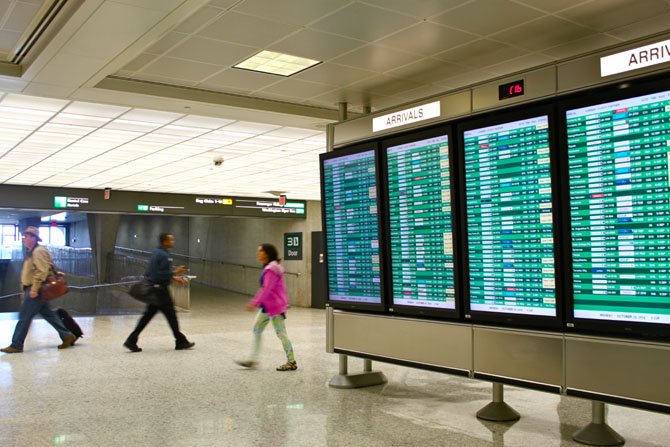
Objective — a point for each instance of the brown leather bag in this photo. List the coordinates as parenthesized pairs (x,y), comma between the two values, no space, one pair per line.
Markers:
(54,286)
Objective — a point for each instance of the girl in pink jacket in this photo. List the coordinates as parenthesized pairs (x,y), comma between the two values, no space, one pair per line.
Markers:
(272,302)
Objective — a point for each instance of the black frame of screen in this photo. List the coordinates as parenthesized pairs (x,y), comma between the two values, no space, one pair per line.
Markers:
(610,93)
(406,138)
(343,152)
(526,111)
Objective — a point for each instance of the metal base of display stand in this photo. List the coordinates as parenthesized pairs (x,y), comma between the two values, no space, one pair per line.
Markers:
(498,410)
(598,432)
(358,380)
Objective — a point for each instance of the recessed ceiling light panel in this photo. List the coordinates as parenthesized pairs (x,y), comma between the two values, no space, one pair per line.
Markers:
(277,63)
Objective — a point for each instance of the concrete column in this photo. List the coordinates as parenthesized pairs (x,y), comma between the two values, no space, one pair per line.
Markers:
(102,230)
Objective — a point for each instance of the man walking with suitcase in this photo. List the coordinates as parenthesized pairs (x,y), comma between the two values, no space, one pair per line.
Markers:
(36,266)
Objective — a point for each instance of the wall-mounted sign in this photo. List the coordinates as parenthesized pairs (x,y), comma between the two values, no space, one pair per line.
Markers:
(293,246)
(138,202)
(156,208)
(511,89)
(408,116)
(69,202)
(270,206)
(213,201)
(646,56)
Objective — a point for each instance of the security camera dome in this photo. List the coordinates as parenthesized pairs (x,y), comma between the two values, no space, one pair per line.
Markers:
(218,161)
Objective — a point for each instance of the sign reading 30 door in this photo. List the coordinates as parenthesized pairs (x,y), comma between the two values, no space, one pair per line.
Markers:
(293,246)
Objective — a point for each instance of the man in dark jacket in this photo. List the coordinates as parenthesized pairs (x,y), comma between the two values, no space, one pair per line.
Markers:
(161,273)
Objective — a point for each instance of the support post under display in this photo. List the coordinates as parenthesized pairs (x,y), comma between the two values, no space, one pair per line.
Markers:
(498,410)
(598,432)
(358,380)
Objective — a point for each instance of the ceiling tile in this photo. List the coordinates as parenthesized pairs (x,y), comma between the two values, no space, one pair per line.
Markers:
(250,128)
(247,30)
(350,96)
(427,39)
(550,5)
(198,19)
(20,16)
(237,80)
(293,132)
(333,74)
(643,28)
(543,33)
(151,116)
(519,64)
(481,53)
(296,88)
(581,46)
(315,45)
(33,102)
(139,62)
(93,109)
(428,70)
(422,9)
(296,12)
(424,91)
(487,16)
(376,58)
(384,85)
(8,41)
(363,22)
(605,15)
(465,79)
(212,51)
(166,43)
(167,67)
(206,122)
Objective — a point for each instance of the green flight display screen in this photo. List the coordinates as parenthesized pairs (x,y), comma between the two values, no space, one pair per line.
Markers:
(619,174)
(510,219)
(422,249)
(352,228)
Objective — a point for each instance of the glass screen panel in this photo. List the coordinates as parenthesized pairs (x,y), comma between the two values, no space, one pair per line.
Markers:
(619,174)
(422,248)
(509,218)
(352,228)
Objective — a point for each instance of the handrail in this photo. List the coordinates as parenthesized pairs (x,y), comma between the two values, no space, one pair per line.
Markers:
(220,261)
(95,286)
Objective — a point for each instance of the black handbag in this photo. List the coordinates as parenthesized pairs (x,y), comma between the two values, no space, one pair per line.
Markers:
(145,291)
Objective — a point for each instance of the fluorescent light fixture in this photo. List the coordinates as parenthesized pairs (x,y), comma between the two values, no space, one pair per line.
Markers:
(276,63)
(60,217)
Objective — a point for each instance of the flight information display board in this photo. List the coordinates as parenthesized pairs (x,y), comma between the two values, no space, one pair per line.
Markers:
(351,222)
(510,218)
(420,219)
(619,189)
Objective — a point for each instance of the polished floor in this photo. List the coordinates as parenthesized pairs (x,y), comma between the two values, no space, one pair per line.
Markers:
(99,394)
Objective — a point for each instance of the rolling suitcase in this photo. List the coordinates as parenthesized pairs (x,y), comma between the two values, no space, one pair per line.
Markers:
(69,323)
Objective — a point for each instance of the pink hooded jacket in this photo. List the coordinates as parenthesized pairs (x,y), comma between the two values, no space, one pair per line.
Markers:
(272,295)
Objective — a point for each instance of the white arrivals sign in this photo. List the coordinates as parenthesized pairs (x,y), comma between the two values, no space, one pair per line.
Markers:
(408,116)
(656,53)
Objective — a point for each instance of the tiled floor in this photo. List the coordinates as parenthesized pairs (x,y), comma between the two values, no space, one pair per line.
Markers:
(99,394)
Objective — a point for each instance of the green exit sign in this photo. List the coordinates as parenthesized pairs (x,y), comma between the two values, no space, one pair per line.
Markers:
(143,208)
(60,202)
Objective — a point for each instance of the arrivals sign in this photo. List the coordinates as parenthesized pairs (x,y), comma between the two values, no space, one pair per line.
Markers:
(646,56)
(408,116)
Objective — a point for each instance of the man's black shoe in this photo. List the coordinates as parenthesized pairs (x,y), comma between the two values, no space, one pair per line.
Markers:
(184,345)
(132,346)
